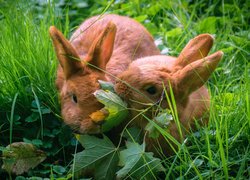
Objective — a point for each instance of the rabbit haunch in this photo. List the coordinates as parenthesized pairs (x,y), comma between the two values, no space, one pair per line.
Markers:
(142,84)
(100,44)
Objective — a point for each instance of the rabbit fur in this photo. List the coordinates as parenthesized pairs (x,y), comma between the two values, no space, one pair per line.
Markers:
(143,84)
(100,49)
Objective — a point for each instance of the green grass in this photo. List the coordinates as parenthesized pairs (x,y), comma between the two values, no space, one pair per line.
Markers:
(28,67)
(26,58)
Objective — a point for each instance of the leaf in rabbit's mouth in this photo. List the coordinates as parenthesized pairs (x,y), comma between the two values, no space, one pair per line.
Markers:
(115,110)
(99,116)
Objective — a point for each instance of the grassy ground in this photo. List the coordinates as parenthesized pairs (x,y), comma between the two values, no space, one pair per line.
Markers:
(29,108)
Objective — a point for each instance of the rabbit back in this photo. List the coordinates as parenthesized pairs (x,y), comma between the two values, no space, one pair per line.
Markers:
(132,41)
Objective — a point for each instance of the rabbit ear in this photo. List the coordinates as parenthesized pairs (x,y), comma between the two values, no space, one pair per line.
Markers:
(196,48)
(102,48)
(194,75)
(66,54)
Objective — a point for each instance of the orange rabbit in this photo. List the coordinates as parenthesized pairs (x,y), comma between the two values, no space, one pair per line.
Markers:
(142,84)
(107,43)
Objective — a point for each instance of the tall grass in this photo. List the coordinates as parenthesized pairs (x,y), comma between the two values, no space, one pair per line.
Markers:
(27,66)
(29,106)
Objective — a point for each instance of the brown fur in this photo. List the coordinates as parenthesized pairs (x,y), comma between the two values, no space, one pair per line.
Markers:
(186,75)
(109,43)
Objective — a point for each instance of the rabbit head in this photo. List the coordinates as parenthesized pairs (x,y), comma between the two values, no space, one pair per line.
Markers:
(146,79)
(77,78)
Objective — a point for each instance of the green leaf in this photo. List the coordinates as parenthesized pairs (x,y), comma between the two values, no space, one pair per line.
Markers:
(111,101)
(47,143)
(32,118)
(163,119)
(59,169)
(44,110)
(208,25)
(114,105)
(133,134)
(174,32)
(16,119)
(99,154)
(152,27)
(152,130)
(141,18)
(19,157)
(154,9)
(68,177)
(37,142)
(105,85)
(20,178)
(138,163)
(2,148)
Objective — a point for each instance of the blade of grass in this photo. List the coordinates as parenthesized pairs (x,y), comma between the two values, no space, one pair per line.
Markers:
(39,111)
(12,116)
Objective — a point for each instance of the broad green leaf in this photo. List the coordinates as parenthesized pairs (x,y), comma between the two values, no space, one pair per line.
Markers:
(111,101)
(117,109)
(138,163)
(99,154)
(133,134)
(19,157)
(163,119)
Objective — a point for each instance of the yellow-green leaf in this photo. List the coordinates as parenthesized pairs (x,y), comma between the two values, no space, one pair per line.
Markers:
(19,157)
(117,109)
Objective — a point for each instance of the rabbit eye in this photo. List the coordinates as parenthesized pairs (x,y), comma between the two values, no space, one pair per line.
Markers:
(151,90)
(74,98)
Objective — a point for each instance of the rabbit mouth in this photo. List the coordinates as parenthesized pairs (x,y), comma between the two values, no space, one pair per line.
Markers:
(96,130)
(88,127)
